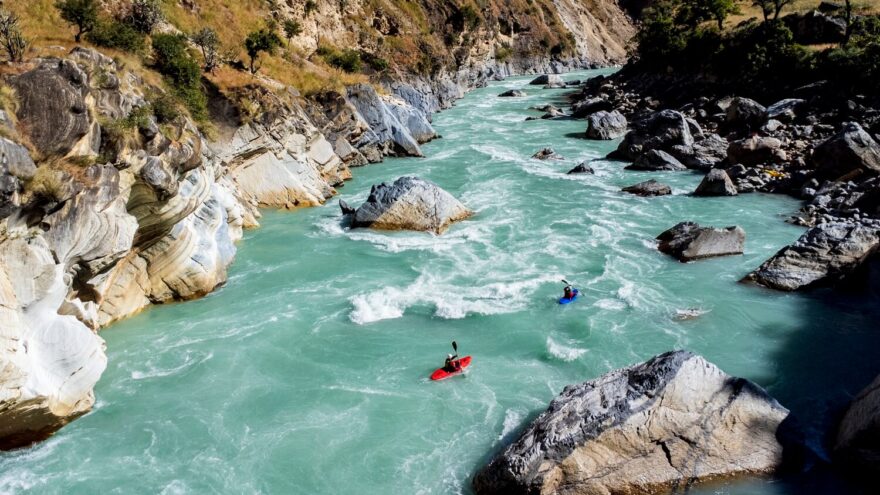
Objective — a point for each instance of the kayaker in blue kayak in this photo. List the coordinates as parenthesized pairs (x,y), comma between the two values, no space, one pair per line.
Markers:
(569,292)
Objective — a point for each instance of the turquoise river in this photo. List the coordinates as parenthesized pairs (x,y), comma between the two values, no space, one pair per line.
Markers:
(307,372)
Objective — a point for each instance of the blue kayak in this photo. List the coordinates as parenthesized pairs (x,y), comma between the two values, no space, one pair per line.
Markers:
(566,300)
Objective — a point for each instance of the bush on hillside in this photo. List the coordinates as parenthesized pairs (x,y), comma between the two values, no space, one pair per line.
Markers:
(172,59)
(118,35)
(347,60)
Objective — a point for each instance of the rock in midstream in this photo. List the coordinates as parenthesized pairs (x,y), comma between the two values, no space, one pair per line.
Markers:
(410,203)
(688,241)
(653,427)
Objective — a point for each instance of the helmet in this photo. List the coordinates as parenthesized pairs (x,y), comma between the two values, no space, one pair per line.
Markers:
(449,356)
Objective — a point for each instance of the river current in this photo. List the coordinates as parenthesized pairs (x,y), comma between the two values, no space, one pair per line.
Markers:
(307,372)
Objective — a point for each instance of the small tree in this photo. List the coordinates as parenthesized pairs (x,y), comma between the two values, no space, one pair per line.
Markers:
(144,15)
(291,28)
(847,17)
(720,9)
(11,39)
(80,13)
(208,42)
(260,41)
(778,5)
(309,7)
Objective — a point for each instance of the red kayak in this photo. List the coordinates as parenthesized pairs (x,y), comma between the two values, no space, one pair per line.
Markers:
(460,365)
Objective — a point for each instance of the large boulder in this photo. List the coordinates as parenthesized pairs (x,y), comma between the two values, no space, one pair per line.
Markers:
(410,203)
(824,254)
(847,151)
(716,183)
(656,160)
(687,241)
(512,93)
(650,428)
(858,437)
(746,113)
(648,188)
(606,125)
(756,150)
(663,131)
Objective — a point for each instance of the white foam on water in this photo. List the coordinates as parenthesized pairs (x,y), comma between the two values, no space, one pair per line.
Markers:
(450,301)
(610,304)
(364,390)
(512,420)
(563,352)
(191,359)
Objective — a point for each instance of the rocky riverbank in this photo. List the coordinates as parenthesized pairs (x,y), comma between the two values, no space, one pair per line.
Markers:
(810,146)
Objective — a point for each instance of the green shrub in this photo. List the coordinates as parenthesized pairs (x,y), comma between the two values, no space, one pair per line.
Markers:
(119,35)
(256,42)
(347,60)
(172,59)
(165,108)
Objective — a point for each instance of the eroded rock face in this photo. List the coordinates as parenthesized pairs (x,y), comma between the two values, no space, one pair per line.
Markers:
(394,136)
(688,241)
(650,428)
(857,445)
(823,255)
(606,125)
(54,99)
(410,203)
(716,183)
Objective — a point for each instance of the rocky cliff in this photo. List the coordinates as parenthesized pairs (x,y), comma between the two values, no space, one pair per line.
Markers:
(106,208)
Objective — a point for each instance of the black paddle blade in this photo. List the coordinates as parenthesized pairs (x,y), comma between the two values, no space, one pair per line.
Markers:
(566,282)
(455,346)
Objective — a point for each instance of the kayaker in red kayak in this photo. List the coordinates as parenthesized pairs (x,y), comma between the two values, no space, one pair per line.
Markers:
(452,365)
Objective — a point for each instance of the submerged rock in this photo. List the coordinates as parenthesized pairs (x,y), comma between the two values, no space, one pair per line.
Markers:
(824,254)
(648,188)
(606,125)
(512,93)
(716,183)
(857,445)
(410,203)
(650,428)
(656,160)
(688,241)
(547,154)
(582,168)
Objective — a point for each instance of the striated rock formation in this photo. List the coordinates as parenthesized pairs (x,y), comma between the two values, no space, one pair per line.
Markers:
(716,183)
(688,241)
(823,255)
(410,203)
(654,427)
